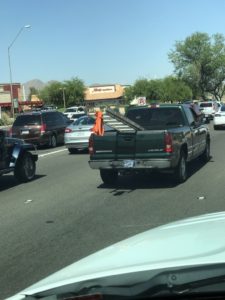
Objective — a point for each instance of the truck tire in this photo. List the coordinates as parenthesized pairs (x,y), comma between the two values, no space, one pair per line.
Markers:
(25,168)
(109,176)
(180,174)
(205,156)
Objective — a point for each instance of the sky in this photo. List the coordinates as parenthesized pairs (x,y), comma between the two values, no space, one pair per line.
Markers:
(99,41)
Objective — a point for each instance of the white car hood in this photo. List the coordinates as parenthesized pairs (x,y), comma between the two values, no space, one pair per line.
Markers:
(191,242)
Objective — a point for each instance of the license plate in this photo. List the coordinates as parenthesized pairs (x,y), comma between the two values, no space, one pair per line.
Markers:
(128,163)
(25,132)
(79,134)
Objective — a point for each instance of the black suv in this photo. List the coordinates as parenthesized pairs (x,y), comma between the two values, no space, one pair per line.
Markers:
(40,127)
(18,157)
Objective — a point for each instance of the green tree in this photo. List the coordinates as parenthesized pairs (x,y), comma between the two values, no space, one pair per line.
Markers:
(143,88)
(167,89)
(200,61)
(51,94)
(73,90)
(129,94)
(174,89)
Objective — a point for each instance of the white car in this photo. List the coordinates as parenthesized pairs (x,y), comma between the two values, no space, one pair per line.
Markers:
(209,108)
(219,118)
(180,260)
(71,111)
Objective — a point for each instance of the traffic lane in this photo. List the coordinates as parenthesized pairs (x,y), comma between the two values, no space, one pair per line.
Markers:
(64,223)
(33,219)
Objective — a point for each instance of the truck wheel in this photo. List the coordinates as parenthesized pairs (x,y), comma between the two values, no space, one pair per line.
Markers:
(180,173)
(109,176)
(25,168)
(205,156)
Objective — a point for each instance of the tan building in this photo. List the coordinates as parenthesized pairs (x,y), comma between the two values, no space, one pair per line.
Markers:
(104,95)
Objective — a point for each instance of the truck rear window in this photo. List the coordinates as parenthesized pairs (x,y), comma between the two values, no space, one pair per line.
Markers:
(156,118)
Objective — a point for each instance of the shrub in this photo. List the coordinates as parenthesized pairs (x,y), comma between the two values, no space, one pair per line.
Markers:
(5,120)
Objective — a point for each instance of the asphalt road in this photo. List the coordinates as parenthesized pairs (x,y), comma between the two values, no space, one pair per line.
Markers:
(67,213)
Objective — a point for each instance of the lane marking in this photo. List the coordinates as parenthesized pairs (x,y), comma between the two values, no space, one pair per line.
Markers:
(50,153)
(201,198)
(28,201)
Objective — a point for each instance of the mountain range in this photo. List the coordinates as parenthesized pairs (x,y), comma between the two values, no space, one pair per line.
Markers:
(35,83)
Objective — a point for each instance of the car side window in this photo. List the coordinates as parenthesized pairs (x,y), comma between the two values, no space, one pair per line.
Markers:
(91,121)
(83,121)
(48,119)
(190,116)
(60,120)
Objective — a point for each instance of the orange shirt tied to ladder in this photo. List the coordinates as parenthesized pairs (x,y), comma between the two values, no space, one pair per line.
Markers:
(99,124)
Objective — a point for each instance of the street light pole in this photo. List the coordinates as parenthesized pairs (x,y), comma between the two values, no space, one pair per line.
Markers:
(10,67)
(64,98)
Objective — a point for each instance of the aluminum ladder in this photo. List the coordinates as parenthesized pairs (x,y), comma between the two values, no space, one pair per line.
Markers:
(119,122)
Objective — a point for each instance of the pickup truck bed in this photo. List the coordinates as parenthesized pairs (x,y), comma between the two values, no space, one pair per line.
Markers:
(172,135)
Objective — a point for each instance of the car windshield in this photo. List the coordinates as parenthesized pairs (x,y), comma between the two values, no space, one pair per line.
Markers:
(113,113)
(84,121)
(70,110)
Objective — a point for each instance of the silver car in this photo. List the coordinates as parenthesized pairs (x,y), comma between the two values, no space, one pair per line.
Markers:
(77,134)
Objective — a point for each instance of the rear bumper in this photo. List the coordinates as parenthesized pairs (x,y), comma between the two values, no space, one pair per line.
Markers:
(40,140)
(136,164)
(209,115)
(77,145)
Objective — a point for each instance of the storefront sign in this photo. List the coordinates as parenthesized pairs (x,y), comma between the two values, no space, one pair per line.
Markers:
(102,89)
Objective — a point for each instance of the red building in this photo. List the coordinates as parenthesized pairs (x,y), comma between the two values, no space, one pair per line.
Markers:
(5,93)
(17,95)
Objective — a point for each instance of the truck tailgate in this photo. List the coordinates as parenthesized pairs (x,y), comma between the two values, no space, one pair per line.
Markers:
(140,144)
(104,146)
(150,144)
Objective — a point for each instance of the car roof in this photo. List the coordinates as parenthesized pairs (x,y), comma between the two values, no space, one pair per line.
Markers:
(39,112)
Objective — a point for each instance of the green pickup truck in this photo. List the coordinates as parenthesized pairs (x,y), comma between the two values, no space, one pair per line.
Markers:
(167,137)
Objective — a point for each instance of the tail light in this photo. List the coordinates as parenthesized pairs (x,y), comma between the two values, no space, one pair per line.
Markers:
(168,142)
(68,130)
(91,145)
(43,128)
